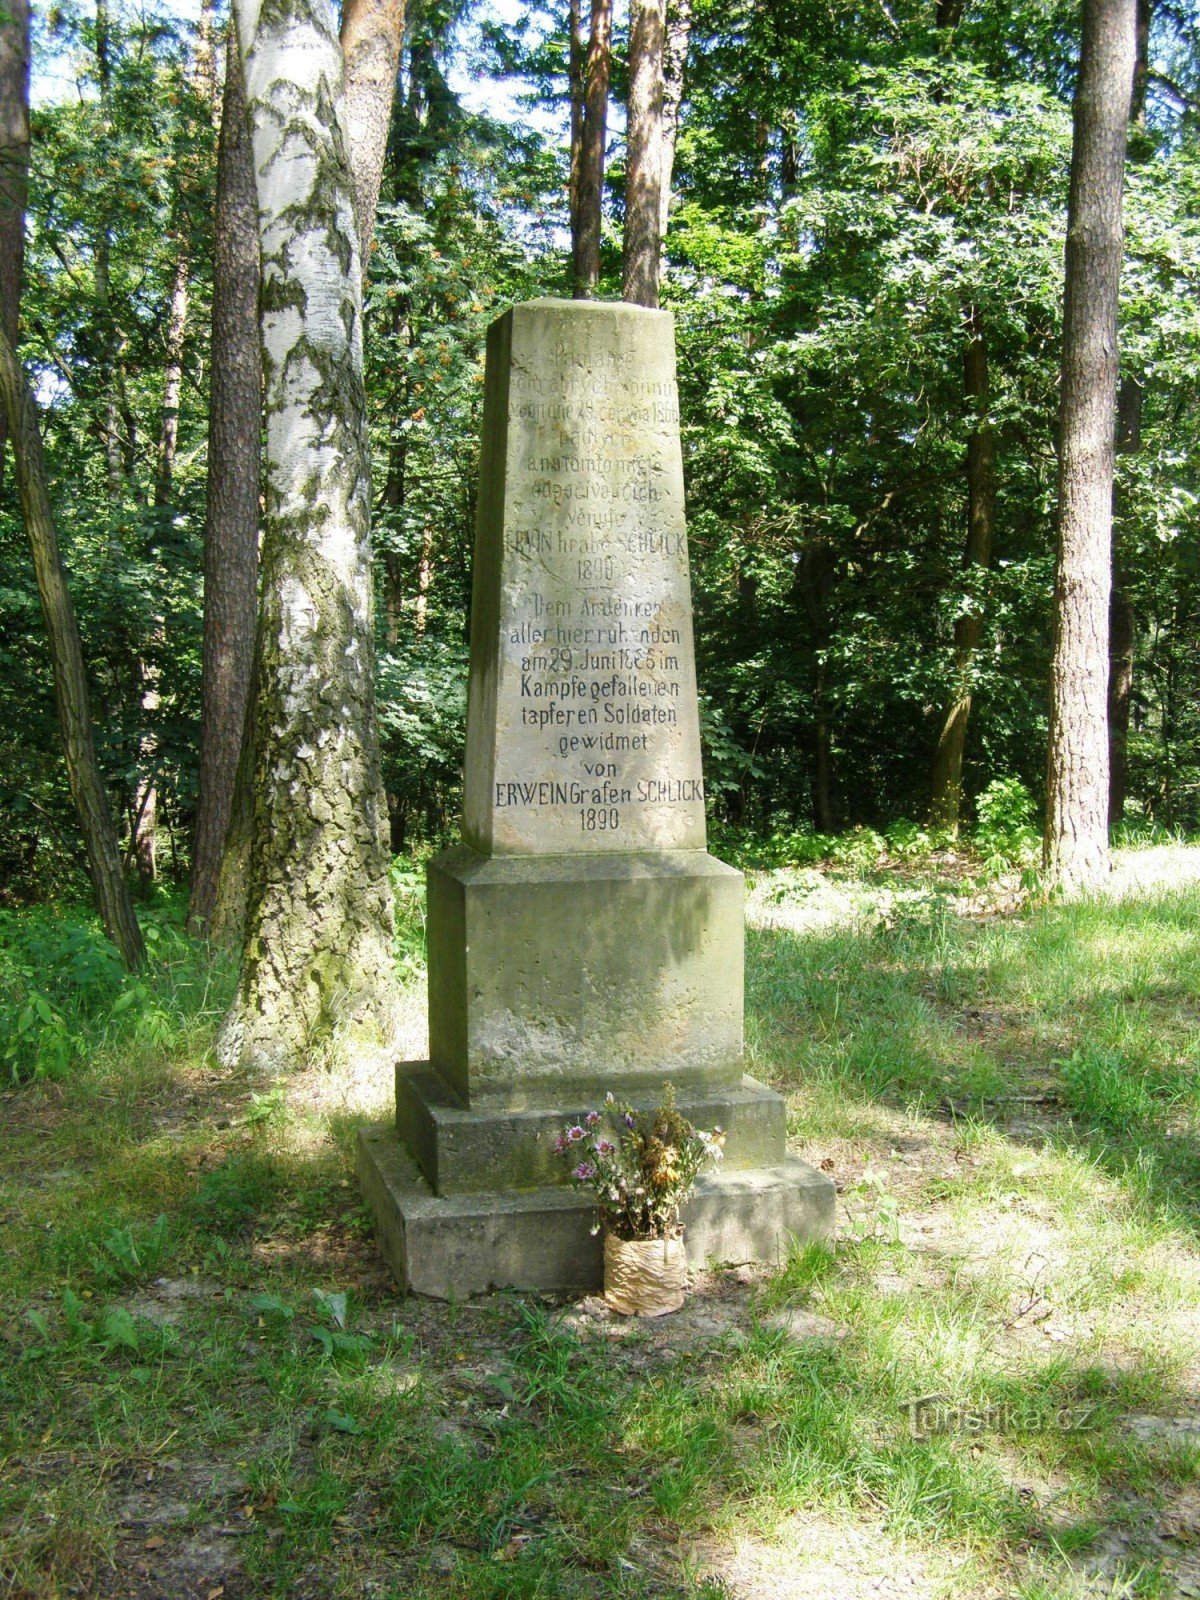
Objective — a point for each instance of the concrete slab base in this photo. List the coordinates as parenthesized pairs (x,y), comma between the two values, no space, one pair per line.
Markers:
(452,1246)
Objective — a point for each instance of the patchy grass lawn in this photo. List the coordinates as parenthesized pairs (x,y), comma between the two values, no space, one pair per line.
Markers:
(234,1400)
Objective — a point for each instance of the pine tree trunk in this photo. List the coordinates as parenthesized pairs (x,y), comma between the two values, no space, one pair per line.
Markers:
(1076,842)
(590,186)
(14,171)
(66,659)
(317,966)
(576,63)
(945,804)
(372,35)
(675,49)
(231,521)
(644,153)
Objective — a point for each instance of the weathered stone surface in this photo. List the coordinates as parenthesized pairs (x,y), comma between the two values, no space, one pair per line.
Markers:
(456,1245)
(581,939)
(557,977)
(582,728)
(464,1150)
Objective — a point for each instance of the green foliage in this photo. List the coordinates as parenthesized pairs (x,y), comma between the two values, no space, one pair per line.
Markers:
(1004,833)
(64,991)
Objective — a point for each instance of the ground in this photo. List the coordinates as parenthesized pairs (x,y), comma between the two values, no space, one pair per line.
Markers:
(235,1400)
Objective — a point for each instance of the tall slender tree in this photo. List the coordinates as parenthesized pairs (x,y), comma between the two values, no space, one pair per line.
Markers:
(946,786)
(1076,840)
(644,153)
(1122,620)
(372,37)
(589,185)
(675,50)
(231,522)
(14,167)
(66,660)
(317,957)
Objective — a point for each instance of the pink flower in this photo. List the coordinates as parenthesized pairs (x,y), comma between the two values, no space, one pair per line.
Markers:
(592,1118)
(575,1134)
(584,1172)
(560,1144)
(604,1147)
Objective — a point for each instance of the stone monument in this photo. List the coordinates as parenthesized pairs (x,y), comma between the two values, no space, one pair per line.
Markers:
(581,938)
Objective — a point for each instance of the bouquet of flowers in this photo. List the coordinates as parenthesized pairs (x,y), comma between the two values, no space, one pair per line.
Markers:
(641,1165)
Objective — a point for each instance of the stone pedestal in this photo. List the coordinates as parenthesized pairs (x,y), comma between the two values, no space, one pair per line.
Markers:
(581,939)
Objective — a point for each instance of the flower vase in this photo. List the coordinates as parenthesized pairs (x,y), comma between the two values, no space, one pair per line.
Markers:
(644,1277)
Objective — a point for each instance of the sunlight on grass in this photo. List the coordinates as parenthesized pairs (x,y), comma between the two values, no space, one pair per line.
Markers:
(1010,1109)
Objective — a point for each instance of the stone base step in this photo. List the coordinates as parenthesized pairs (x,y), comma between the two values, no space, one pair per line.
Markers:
(457,1245)
(479,1149)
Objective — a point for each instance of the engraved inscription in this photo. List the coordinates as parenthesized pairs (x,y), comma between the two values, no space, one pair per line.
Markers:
(597,738)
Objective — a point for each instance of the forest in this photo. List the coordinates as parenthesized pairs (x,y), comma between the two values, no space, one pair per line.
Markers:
(934,274)
(864,256)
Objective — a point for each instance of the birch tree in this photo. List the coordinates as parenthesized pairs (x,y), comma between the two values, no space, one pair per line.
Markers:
(317,959)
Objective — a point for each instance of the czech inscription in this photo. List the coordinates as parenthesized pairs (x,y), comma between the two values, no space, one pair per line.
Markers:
(597,739)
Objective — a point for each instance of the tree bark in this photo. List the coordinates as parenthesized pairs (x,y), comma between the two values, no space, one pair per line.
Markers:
(576,62)
(14,170)
(66,659)
(675,49)
(231,520)
(644,153)
(1122,618)
(946,786)
(372,36)
(317,963)
(1076,840)
(590,185)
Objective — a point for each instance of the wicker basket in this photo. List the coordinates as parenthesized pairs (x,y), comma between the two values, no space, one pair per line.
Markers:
(644,1277)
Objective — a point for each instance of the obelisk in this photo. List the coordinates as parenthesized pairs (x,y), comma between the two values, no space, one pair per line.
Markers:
(581,938)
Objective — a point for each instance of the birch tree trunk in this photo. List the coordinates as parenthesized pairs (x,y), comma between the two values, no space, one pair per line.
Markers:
(66,659)
(372,34)
(317,962)
(644,153)
(231,527)
(1076,842)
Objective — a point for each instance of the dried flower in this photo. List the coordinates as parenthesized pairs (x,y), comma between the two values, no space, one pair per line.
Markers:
(642,1175)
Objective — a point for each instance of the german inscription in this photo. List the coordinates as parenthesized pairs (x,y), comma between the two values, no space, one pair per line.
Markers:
(596,739)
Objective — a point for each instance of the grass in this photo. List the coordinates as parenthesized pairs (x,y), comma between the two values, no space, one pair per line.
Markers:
(207,1382)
